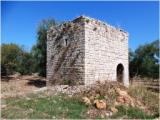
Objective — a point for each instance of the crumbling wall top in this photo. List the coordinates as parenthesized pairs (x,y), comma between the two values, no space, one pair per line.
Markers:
(98,22)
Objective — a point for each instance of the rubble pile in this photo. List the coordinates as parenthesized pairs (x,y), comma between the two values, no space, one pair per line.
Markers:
(105,96)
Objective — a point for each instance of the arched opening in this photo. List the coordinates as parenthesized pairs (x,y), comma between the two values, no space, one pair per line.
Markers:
(120,73)
(66,41)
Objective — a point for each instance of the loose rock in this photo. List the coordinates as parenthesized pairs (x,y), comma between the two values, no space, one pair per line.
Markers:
(114,110)
(100,104)
(86,100)
(121,92)
(120,99)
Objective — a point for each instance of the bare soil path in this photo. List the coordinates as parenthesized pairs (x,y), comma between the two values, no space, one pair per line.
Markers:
(19,85)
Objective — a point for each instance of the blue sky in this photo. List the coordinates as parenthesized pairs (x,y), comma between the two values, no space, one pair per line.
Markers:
(19,20)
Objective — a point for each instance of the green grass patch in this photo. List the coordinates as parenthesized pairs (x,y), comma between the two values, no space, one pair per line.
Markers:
(131,112)
(60,106)
(41,106)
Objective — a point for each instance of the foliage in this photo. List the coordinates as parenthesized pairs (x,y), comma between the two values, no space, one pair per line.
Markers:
(15,59)
(145,60)
(10,57)
(39,49)
(25,65)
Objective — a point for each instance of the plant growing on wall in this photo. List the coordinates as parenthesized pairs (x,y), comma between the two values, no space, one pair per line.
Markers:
(95,28)
(87,20)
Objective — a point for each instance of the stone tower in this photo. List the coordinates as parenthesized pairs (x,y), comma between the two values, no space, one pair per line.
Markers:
(86,50)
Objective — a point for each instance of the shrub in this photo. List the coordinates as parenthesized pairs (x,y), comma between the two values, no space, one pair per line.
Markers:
(145,60)
(15,59)
(39,49)
(25,65)
(10,57)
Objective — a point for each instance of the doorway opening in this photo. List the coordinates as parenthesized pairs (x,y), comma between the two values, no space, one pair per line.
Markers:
(120,73)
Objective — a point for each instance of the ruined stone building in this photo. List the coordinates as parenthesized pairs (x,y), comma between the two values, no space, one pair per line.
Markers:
(86,50)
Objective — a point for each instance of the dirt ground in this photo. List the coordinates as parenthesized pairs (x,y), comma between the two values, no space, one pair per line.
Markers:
(106,95)
(13,85)
(22,84)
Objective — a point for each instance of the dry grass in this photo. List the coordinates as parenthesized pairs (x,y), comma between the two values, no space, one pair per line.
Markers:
(149,98)
(20,85)
(149,83)
(147,91)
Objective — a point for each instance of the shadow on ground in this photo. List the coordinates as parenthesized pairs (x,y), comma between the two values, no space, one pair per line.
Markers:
(37,83)
(6,78)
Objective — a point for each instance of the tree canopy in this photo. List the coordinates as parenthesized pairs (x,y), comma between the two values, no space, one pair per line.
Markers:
(145,60)
(15,59)
(39,49)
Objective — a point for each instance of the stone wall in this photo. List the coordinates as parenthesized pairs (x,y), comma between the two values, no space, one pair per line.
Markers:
(105,48)
(65,53)
(86,50)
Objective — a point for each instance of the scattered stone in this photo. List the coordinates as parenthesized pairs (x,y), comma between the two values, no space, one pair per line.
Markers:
(120,99)
(27,98)
(127,99)
(102,82)
(109,113)
(65,87)
(100,104)
(114,110)
(94,113)
(31,110)
(15,75)
(139,103)
(91,98)
(112,93)
(121,92)
(3,106)
(40,89)
(102,116)
(116,103)
(132,104)
(86,100)
(35,74)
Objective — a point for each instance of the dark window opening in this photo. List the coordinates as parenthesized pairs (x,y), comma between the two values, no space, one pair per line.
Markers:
(66,42)
(120,72)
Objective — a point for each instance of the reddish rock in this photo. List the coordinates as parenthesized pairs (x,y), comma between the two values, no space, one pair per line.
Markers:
(86,100)
(121,92)
(114,110)
(100,104)
(120,99)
